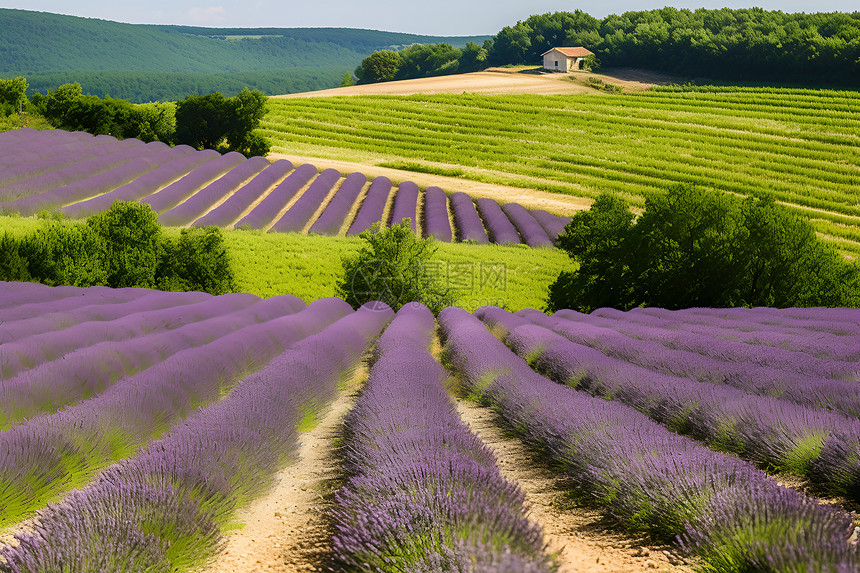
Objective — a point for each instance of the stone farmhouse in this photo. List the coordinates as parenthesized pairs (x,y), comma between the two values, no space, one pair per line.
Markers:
(565,59)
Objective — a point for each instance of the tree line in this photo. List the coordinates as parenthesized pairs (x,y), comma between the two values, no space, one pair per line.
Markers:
(121,247)
(736,45)
(209,121)
(421,60)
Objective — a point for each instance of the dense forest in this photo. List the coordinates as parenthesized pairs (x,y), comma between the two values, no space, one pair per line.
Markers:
(732,45)
(146,63)
(746,44)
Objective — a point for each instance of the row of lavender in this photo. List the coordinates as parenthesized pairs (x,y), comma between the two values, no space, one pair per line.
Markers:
(723,509)
(789,432)
(82,175)
(164,508)
(116,396)
(423,493)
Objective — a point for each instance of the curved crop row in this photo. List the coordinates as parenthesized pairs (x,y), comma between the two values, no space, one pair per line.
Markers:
(405,204)
(183,161)
(216,192)
(201,188)
(423,492)
(29,343)
(707,341)
(467,220)
(784,436)
(372,207)
(120,349)
(335,213)
(51,454)
(297,216)
(163,509)
(436,222)
(266,211)
(648,478)
(805,390)
(237,203)
(180,190)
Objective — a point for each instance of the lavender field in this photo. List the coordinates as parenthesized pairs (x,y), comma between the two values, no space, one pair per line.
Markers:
(81,175)
(136,426)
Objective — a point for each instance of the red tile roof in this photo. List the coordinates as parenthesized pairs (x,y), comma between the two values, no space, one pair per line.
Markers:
(578,52)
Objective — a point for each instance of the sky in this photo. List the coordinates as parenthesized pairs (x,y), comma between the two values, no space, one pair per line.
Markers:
(431,17)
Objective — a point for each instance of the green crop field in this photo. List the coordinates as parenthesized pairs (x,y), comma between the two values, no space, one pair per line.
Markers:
(800,145)
(309,266)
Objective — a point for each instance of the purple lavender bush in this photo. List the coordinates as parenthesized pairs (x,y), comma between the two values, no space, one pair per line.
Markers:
(532,233)
(163,509)
(299,215)
(499,227)
(180,190)
(52,453)
(230,210)
(185,159)
(332,218)
(436,222)
(467,220)
(372,207)
(265,213)
(405,204)
(423,493)
(216,192)
(647,477)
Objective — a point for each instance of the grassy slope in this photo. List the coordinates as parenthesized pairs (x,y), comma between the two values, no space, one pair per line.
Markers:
(308,266)
(799,144)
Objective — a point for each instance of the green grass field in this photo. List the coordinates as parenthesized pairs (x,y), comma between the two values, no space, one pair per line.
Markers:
(801,145)
(308,266)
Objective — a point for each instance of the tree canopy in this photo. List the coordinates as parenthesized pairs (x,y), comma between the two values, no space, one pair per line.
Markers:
(742,44)
(692,247)
(391,268)
(419,61)
(213,121)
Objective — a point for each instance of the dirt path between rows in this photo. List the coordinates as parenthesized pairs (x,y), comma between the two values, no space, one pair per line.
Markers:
(530,198)
(287,529)
(580,535)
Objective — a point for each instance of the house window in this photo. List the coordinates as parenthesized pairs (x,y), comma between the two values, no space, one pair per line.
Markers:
(556,63)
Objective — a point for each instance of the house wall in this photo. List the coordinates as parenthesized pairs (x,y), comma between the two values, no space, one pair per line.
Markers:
(550,58)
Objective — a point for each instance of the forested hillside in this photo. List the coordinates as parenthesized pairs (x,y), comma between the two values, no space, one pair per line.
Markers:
(145,62)
(747,44)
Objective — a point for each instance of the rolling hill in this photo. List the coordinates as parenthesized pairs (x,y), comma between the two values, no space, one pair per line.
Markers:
(153,62)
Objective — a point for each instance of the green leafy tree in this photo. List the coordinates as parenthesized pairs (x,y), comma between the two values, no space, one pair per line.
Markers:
(380,66)
(196,261)
(597,239)
(201,120)
(392,268)
(131,236)
(692,248)
(13,93)
(347,80)
(64,253)
(212,121)
(13,265)
(685,249)
(473,58)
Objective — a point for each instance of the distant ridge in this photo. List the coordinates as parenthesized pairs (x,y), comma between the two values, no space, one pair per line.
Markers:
(158,62)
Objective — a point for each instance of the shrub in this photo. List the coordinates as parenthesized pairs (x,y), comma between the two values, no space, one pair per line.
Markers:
(196,261)
(132,238)
(395,267)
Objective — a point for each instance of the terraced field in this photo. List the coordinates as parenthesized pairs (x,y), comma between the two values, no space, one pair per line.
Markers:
(81,175)
(800,145)
(136,426)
